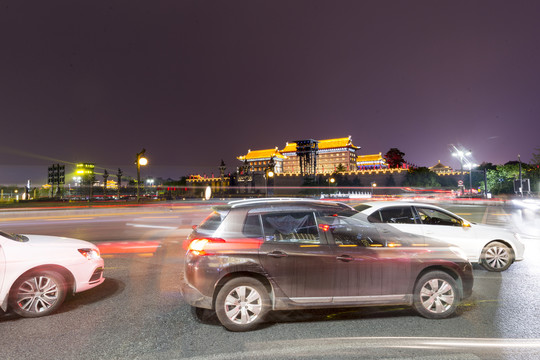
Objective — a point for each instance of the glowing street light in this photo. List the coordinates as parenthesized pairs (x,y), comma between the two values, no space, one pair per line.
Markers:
(373,186)
(463,157)
(269,174)
(141,161)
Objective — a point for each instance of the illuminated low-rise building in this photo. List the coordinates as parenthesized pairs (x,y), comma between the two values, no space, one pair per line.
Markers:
(261,160)
(372,161)
(441,169)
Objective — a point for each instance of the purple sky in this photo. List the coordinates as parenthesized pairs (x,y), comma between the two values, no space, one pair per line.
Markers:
(195,82)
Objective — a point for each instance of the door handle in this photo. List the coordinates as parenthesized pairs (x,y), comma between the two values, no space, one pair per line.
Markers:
(345,258)
(277,254)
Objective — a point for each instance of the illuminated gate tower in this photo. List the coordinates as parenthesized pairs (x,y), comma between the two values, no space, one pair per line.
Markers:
(330,153)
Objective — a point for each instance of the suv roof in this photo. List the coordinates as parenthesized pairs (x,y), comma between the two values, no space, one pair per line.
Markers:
(265,201)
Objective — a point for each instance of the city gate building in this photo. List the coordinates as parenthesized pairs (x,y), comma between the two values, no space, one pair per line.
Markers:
(259,160)
(331,153)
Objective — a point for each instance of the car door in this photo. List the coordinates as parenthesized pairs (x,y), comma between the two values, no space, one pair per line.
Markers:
(443,226)
(2,267)
(401,218)
(296,256)
(370,268)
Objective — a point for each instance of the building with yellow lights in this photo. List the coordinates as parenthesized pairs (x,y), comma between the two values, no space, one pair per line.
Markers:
(260,160)
(330,154)
(83,171)
(374,161)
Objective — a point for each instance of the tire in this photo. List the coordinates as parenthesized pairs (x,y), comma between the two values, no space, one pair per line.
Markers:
(497,257)
(204,316)
(38,294)
(436,295)
(242,304)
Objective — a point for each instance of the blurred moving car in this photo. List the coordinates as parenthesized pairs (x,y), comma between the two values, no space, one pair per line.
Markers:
(253,256)
(495,248)
(37,272)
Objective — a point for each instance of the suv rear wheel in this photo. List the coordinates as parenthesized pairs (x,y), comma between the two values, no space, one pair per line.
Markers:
(242,304)
(436,295)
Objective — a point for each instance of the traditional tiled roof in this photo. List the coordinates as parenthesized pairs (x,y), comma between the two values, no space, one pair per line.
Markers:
(337,143)
(325,144)
(439,167)
(261,154)
(371,157)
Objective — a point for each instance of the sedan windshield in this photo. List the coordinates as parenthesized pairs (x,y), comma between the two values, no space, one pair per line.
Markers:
(14,237)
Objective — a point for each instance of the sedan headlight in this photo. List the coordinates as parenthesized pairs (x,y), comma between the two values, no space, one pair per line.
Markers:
(90,254)
(459,252)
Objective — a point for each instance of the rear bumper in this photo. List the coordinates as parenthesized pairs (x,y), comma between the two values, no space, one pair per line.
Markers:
(194,297)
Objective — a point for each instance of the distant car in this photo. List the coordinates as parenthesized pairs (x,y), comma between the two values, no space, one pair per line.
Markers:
(37,272)
(495,248)
(253,256)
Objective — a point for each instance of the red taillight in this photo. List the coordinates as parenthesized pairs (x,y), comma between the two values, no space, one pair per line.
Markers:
(324,227)
(208,246)
(199,246)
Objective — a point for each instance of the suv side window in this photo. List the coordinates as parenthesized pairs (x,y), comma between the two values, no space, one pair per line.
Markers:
(397,215)
(292,227)
(252,226)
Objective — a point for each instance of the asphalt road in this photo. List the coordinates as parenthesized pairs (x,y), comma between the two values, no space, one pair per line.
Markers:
(138,312)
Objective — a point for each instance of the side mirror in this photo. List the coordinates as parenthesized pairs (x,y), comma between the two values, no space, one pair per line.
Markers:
(194,227)
(466,224)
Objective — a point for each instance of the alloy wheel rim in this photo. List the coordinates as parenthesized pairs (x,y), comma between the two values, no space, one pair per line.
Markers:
(437,296)
(37,294)
(243,305)
(497,257)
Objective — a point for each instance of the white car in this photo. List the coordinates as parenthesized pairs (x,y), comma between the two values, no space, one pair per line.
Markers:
(36,272)
(493,247)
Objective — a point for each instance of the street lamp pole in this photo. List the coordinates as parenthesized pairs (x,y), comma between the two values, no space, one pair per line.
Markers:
(462,155)
(140,161)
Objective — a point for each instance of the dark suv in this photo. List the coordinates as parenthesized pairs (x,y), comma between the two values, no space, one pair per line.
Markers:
(253,256)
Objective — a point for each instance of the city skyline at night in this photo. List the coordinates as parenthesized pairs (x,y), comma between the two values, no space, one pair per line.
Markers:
(197,82)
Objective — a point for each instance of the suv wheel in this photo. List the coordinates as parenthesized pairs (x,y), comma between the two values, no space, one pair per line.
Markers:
(436,295)
(496,256)
(242,304)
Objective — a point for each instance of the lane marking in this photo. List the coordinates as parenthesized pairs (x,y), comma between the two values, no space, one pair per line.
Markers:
(152,226)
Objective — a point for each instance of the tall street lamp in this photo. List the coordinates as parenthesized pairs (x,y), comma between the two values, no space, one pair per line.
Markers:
(269,174)
(462,157)
(141,161)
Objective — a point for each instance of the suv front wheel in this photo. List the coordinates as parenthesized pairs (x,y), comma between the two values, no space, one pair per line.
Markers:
(242,304)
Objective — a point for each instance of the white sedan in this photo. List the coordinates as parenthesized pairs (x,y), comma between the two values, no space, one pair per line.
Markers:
(493,247)
(36,272)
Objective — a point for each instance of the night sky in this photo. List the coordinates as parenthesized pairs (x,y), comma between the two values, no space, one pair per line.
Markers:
(195,82)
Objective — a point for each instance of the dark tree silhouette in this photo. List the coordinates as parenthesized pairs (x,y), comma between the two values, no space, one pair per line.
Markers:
(394,158)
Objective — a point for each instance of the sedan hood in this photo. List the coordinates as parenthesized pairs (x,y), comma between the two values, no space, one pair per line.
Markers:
(490,229)
(56,241)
